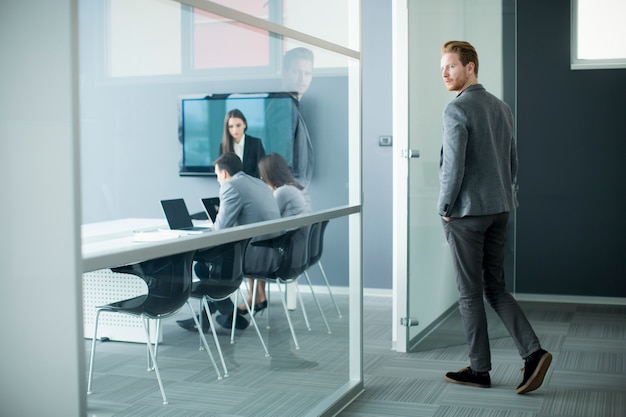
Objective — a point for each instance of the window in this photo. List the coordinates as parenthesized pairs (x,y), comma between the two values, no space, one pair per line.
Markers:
(598,32)
(165,41)
(141,43)
(219,42)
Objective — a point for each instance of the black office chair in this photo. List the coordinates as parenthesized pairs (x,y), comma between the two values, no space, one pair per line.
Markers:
(224,266)
(315,254)
(169,286)
(292,250)
(314,251)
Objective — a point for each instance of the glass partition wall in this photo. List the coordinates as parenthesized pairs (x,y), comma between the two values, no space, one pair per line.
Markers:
(137,59)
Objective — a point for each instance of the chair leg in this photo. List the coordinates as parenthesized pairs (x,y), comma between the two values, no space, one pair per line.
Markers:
(156,343)
(234,324)
(204,342)
(93,352)
(200,344)
(306,317)
(319,263)
(144,321)
(267,295)
(255,284)
(319,307)
(267,354)
(207,311)
(282,299)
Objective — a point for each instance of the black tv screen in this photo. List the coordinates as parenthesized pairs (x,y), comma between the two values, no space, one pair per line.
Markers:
(270,117)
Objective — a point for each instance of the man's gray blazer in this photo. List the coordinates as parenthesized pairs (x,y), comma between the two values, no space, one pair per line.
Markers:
(479,156)
(244,200)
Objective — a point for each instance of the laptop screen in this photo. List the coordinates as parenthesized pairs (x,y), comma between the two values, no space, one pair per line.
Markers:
(176,213)
(211,206)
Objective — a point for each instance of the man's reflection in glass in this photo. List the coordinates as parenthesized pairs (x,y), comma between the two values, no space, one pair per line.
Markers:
(297,74)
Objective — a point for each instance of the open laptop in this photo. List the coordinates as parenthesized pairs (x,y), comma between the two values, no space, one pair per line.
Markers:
(178,217)
(211,206)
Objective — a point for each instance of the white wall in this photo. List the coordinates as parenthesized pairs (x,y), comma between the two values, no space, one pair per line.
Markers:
(40,303)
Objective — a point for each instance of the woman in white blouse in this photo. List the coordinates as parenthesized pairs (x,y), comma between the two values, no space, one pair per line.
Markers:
(248,148)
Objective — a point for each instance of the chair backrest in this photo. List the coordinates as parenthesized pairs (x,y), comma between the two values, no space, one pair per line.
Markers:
(316,242)
(291,250)
(294,252)
(224,265)
(168,280)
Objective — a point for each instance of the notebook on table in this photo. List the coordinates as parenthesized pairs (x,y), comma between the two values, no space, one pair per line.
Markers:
(178,217)
(211,205)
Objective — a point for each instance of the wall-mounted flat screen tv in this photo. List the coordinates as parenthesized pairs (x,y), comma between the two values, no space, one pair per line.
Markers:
(270,117)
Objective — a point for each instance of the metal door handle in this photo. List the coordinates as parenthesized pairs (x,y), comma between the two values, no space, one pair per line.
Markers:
(409,321)
(410,153)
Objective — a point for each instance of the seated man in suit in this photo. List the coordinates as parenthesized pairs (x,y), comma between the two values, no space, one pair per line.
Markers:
(243,200)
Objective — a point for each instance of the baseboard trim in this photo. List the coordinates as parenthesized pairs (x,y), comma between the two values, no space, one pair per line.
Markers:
(572,299)
(552,298)
(321,289)
(376,292)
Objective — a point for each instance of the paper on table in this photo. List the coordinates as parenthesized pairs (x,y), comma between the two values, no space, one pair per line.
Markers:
(155,235)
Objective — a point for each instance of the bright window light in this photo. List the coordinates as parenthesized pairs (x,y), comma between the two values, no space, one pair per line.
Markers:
(598,32)
(144,38)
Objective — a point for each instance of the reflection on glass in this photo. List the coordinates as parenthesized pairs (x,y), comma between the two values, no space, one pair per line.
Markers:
(130,153)
(219,42)
(306,17)
(297,73)
(340,27)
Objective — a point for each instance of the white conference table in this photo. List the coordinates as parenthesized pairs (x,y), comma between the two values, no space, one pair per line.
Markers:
(124,241)
(105,244)
(113,243)
(102,286)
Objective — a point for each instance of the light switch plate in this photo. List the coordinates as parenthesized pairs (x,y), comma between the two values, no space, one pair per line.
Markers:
(384,141)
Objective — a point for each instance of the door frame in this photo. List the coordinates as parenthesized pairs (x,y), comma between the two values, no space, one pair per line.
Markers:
(400,88)
(428,293)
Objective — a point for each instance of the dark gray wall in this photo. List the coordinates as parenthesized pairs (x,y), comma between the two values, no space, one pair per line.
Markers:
(572,144)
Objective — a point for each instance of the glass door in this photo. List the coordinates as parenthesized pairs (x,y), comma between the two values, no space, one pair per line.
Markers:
(424,284)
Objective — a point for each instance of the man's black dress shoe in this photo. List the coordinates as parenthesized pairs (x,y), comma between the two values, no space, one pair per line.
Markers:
(467,376)
(535,368)
(226,321)
(190,324)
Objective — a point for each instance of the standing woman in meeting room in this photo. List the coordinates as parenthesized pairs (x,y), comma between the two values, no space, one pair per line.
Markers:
(248,148)
(292,200)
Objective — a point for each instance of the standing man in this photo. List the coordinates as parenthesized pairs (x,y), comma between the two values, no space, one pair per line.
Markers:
(477,191)
(243,200)
(297,77)
(297,74)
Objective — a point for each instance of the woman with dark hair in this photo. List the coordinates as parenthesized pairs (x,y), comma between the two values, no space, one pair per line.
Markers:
(290,195)
(292,200)
(248,148)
